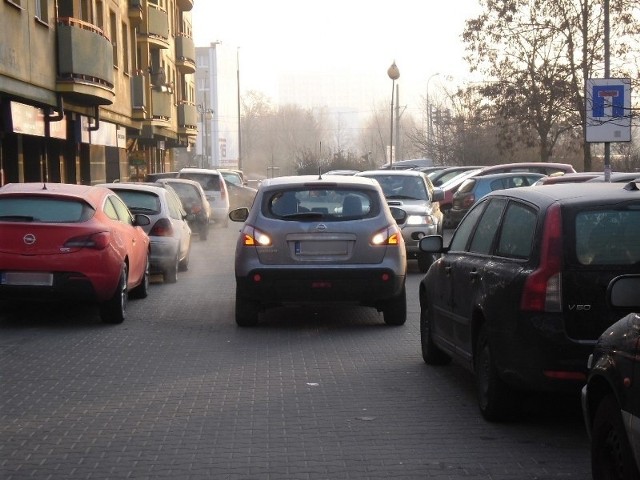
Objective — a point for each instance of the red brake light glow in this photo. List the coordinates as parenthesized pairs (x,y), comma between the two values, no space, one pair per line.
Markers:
(162,228)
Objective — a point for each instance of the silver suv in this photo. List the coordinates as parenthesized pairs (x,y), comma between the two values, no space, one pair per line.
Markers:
(215,189)
(413,192)
(310,239)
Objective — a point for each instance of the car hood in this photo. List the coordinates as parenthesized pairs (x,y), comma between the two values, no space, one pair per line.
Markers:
(418,207)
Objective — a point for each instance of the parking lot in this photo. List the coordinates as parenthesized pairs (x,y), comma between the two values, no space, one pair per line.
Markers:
(179,391)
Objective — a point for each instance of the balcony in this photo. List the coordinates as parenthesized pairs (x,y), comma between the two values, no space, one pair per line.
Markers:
(85,63)
(161,105)
(185,5)
(187,119)
(135,11)
(185,54)
(139,97)
(155,28)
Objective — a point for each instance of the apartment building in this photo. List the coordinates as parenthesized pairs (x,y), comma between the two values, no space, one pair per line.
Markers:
(94,90)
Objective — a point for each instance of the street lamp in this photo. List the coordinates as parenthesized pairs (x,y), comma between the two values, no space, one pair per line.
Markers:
(429,119)
(205,114)
(394,74)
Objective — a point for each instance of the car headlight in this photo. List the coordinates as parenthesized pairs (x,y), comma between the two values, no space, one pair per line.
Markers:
(420,220)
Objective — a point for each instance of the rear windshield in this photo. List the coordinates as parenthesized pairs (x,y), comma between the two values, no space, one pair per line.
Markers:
(334,204)
(140,202)
(208,181)
(608,237)
(402,187)
(44,209)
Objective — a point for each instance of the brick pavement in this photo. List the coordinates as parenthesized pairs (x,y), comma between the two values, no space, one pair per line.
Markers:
(179,392)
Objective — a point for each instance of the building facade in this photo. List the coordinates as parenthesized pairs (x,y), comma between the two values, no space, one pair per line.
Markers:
(94,91)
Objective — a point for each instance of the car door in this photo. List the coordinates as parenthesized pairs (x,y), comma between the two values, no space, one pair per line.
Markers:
(442,280)
(469,272)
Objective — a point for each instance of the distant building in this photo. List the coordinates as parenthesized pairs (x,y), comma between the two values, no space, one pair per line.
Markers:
(217,91)
(96,90)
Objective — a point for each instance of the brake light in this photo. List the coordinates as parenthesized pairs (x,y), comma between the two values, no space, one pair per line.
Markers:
(388,236)
(543,287)
(252,237)
(98,241)
(162,228)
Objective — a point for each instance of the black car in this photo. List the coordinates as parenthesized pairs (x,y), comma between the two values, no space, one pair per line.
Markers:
(611,398)
(519,295)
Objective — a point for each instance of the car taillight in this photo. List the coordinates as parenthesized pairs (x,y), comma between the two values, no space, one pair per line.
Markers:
(543,287)
(196,209)
(162,228)
(98,241)
(388,236)
(252,237)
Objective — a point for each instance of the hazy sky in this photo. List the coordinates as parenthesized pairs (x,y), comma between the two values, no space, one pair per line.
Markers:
(348,43)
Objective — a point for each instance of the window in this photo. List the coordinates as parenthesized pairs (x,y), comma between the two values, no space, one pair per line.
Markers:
(325,204)
(44,209)
(113,25)
(487,227)
(42,10)
(608,237)
(123,211)
(461,237)
(518,230)
(125,48)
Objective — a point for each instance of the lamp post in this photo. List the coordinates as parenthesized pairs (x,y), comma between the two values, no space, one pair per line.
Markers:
(205,114)
(429,119)
(394,74)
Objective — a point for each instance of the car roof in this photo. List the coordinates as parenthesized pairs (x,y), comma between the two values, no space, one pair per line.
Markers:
(301,180)
(390,173)
(91,194)
(554,165)
(494,176)
(199,170)
(571,193)
(136,186)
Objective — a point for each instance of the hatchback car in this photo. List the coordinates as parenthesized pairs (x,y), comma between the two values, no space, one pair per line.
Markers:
(168,230)
(240,195)
(71,243)
(476,187)
(518,296)
(194,202)
(413,192)
(546,168)
(611,398)
(310,239)
(215,188)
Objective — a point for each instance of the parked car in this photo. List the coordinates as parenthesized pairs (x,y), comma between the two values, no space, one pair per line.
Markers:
(567,178)
(168,230)
(617,177)
(240,195)
(194,202)
(413,192)
(518,296)
(407,164)
(546,168)
(476,187)
(449,188)
(440,177)
(319,240)
(153,177)
(341,172)
(611,397)
(71,243)
(215,188)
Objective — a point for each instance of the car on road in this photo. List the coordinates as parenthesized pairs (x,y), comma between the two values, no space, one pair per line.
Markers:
(476,187)
(519,295)
(328,239)
(449,188)
(168,231)
(195,203)
(71,243)
(611,397)
(413,192)
(215,188)
(240,195)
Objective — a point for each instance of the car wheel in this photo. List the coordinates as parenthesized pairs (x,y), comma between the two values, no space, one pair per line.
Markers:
(142,290)
(424,261)
(496,399)
(395,310)
(247,311)
(611,455)
(171,274)
(114,310)
(431,354)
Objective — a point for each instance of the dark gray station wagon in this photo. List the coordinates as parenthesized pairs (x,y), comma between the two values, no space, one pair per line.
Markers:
(519,296)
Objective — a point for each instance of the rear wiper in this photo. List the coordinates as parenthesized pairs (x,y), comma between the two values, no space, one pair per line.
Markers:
(304,216)
(17,218)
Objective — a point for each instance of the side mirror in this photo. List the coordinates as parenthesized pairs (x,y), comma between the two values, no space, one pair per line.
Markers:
(431,244)
(398,214)
(239,214)
(438,195)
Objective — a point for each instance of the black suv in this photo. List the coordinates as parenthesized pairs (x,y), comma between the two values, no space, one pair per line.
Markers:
(519,296)
(611,398)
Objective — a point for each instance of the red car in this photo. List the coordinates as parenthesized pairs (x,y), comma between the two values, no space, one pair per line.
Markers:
(74,243)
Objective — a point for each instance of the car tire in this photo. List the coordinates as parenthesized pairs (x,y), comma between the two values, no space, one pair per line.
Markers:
(394,311)
(431,354)
(424,261)
(142,290)
(114,310)
(170,275)
(497,400)
(611,455)
(247,311)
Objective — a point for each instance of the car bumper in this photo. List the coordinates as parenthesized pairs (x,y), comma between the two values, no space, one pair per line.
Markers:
(361,285)
(412,235)
(163,254)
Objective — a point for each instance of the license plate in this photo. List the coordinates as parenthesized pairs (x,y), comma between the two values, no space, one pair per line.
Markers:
(331,247)
(39,279)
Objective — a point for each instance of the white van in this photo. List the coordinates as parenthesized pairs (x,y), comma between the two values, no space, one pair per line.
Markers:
(215,190)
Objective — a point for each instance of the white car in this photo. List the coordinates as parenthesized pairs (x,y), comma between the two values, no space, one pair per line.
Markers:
(215,188)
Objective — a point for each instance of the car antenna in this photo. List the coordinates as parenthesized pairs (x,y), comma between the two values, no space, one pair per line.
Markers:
(44,185)
(319,172)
